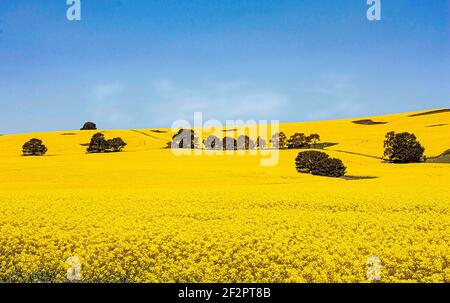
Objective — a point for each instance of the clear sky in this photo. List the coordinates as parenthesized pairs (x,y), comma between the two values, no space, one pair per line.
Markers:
(133,63)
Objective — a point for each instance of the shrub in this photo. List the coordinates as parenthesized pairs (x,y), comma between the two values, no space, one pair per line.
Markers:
(99,144)
(297,140)
(330,167)
(403,148)
(89,126)
(184,138)
(212,142)
(306,161)
(229,143)
(260,143)
(115,145)
(319,163)
(278,140)
(34,147)
(244,142)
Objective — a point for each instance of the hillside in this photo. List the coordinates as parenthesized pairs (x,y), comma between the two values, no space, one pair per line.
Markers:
(147,215)
(432,127)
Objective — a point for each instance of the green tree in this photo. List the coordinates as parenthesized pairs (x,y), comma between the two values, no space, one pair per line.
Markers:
(319,163)
(330,167)
(403,148)
(313,139)
(260,143)
(244,142)
(34,147)
(115,145)
(278,140)
(229,143)
(89,126)
(297,140)
(212,142)
(99,144)
(184,138)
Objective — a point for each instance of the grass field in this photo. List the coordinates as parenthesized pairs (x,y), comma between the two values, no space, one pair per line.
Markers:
(145,215)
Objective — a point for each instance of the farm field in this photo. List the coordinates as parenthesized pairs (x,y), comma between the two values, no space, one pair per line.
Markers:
(146,215)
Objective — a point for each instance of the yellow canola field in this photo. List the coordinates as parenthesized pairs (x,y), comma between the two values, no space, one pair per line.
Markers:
(145,215)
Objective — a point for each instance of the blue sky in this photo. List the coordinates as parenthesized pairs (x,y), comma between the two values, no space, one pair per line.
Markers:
(133,63)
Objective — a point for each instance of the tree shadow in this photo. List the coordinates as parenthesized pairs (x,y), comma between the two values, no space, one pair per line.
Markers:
(352,177)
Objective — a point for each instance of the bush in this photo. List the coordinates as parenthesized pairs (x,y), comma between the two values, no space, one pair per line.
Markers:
(403,148)
(229,143)
(115,145)
(212,142)
(184,138)
(330,167)
(278,140)
(306,161)
(297,141)
(244,142)
(319,163)
(89,126)
(34,147)
(99,144)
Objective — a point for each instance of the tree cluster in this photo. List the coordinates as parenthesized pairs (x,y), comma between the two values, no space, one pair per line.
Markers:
(184,138)
(187,138)
(296,141)
(99,144)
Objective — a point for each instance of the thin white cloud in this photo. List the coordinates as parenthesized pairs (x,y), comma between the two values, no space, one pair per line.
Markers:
(106,105)
(106,92)
(163,101)
(337,96)
(217,100)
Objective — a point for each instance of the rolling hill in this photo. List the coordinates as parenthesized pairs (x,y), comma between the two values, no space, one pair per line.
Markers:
(147,215)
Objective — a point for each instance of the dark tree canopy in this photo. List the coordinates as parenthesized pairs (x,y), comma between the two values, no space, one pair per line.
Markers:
(313,139)
(89,126)
(34,147)
(244,142)
(99,144)
(115,145)
(306,161)
(184,138)
(229,143)
(213,142)
(319,163)
(297,140)
(330,167)
(300,140)
(278,140)
(403,148)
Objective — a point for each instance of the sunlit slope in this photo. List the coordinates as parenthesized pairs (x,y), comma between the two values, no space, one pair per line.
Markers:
(147,215)
(75,142)
(145,162)
(432,130)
